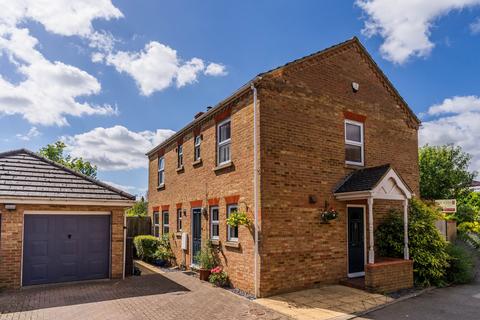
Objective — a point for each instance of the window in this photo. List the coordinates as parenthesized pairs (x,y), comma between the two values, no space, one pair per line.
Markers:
(179,219)
(180,156)
(156,224)
(214,223)
(232,232)
(161,171)
(166,226)
(354,142)
(196,151)
(224,141)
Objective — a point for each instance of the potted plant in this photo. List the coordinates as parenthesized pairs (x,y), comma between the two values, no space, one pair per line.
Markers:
(218,277)
(206,261)
(328,213)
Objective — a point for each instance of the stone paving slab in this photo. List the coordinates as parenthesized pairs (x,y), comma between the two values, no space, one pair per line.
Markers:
(328,302)
(155,296)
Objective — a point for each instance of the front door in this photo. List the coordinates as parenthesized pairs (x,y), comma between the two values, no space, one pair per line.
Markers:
(356,241)
(196,234)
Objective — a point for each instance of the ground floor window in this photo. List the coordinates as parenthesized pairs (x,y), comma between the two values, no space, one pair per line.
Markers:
(166,225)
(232,232)
(156,224)
(179,219)
(214,223)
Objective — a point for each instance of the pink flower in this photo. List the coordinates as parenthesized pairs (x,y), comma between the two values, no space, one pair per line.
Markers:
(216,270)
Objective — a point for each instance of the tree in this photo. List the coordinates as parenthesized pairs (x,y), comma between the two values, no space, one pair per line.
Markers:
(55,153)
(444,172)
(139,209)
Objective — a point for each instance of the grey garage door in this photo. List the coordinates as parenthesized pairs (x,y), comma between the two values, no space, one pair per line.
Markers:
(62,248)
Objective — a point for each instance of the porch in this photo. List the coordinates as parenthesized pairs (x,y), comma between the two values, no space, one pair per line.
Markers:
(368,271)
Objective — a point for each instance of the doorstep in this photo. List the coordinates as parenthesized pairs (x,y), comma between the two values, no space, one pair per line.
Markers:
(326,302)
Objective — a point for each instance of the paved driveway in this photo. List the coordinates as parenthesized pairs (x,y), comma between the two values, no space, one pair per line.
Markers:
(154,296)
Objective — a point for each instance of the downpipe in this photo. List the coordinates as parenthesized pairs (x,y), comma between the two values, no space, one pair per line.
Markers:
(255,188)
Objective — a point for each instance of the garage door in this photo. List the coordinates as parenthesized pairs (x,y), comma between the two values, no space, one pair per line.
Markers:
(62,248)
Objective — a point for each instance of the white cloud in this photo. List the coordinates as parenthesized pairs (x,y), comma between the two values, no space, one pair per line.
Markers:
(156,67)
(475,26)
(216,69)
(456,122)
(406,25)
(115,148)
(49,90)
(32,133)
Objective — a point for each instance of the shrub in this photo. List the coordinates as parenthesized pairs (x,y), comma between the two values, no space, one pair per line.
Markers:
(467,227)
(462,268)
(427,247)
(146,247)
(164,254)
(218,277)
(205,257)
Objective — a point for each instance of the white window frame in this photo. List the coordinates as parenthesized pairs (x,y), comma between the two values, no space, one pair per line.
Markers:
(156,225)
(165,224)
(214,222)
(197,146)
(229,208)
(225,142)
(179,156)
(179,220)
(360,144)
(161,170)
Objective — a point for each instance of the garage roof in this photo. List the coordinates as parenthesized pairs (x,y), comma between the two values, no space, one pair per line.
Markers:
(25,174)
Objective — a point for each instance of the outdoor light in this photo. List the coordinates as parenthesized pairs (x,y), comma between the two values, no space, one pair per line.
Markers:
(10,207)
(355,86)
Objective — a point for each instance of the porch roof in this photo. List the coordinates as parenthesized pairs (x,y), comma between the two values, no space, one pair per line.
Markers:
(381,182)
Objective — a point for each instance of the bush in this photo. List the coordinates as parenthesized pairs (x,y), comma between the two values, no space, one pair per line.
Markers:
(467,227)
(462,267)
(146,247)
(218,277)
(164,254)
(428,249)
(205,257)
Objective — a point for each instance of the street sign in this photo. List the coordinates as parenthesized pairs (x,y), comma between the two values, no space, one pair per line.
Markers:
(447,205)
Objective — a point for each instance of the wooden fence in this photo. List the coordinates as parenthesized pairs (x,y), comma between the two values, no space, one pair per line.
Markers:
(137,226)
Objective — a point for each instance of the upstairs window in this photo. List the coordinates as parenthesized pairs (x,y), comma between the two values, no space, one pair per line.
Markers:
(156,224)
(232,232)
(196,151)
(179,219)
(354,146)
(224,141)
(214,223)
(180,156)
(161,171)
(166,225)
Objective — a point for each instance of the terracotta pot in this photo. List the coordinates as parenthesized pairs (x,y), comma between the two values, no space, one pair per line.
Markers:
(204,274)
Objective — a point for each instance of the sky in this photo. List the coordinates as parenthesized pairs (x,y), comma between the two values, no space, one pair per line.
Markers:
(112,79)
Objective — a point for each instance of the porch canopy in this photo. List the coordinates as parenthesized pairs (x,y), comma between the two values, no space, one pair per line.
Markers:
(381,182)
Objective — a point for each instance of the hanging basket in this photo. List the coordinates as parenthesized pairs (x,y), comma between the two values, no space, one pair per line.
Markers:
(328,214)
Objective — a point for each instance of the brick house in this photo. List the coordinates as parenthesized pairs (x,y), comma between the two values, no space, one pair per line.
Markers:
(326,130)
(57,225)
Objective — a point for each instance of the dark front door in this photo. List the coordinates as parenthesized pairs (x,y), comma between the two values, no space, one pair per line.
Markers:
(196,234)
(63,248)
(356,241)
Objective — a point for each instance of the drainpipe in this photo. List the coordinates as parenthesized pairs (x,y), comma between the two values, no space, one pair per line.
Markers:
(255,187)
(124,242)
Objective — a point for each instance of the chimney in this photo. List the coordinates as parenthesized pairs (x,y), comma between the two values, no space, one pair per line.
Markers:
(199,114)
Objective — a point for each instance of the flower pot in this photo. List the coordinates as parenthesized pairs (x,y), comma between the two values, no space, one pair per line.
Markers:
(204,274)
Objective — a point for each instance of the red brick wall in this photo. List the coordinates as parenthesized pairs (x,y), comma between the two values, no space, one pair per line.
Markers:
(12,234)
(389,276)
(302,133)
(202,183)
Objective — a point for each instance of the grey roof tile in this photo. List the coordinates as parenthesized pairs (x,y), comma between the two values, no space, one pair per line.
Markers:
(363,179)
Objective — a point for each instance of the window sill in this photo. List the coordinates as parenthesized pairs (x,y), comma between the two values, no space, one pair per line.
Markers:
(180,169)
(223,166)
(197,162)
(215,242)
(161,187)
(232,244)
(354,166)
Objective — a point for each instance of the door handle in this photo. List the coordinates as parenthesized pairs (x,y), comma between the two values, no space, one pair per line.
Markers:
(69,236)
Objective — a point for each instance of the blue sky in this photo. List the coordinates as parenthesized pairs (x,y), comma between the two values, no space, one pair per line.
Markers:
(114,78)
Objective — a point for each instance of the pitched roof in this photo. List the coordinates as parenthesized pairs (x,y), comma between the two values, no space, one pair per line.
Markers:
(475,183)
(363,179)
(257,78)
(25,174)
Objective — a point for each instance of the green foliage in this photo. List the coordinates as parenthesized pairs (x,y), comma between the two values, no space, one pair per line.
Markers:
(468,208)
(55,152)
(218,277)
(466,227)
(164,251)
(206,257)
(462,267)
(237,218)
(139,209)
(146,247)
(444,172)
(427,247)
